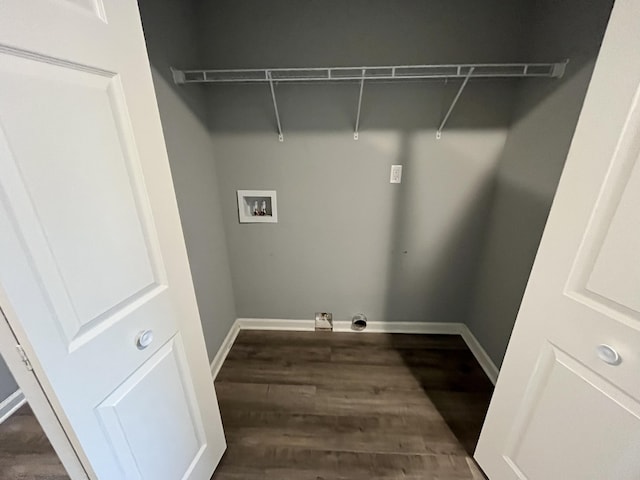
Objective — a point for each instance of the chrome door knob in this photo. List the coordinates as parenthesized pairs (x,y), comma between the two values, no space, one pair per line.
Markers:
(608,354)
(144,339)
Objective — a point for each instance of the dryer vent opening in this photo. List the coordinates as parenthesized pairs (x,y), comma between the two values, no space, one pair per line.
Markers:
(359,322)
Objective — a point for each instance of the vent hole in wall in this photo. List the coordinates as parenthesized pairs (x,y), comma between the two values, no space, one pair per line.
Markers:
(359,322)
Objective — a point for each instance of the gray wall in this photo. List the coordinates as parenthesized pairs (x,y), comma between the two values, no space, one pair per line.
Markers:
(347,240)
(7,383)
(528,173)
(170,30)
(170,34)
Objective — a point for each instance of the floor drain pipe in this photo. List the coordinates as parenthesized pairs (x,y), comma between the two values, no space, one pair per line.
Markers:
(359,322)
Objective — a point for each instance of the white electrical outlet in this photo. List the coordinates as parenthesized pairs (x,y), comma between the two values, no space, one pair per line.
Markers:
(396,174)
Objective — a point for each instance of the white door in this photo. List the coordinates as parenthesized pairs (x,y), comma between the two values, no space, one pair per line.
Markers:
(91,248)
(565,407)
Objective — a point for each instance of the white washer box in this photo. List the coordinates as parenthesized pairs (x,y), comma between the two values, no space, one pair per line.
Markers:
(257,206)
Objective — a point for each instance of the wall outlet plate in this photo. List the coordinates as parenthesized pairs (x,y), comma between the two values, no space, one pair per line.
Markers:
(396,174)
(324,321)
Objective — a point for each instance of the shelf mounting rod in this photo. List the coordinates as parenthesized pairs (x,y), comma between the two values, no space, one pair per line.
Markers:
(355,133)
(453,104)
(275,106)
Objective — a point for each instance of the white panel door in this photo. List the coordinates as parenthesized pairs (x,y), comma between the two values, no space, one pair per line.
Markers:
(567,401)
(91,248)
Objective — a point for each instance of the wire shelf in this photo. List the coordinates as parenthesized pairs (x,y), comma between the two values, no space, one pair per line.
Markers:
(463,71)
(396,72)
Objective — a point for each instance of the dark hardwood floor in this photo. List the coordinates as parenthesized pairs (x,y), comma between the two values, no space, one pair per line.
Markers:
(334,406)
(25,451)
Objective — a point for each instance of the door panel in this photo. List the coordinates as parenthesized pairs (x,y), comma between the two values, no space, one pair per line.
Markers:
(560,409)
(563,392)
(157,400)
(603,277)
(91,250)
(612,277)
(89,154)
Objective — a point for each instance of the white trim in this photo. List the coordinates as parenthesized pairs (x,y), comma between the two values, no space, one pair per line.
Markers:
(277,324)
(282,324)
(223,351)
(10,404)
(481,355)
(401,327)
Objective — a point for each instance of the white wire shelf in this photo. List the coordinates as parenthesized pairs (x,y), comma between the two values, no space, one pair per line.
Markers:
(397,72)
(463,71)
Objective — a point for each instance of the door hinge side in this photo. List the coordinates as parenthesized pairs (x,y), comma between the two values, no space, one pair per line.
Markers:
(23,356)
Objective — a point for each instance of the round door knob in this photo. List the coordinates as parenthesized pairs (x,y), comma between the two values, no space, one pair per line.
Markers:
(608,354)
(144,339)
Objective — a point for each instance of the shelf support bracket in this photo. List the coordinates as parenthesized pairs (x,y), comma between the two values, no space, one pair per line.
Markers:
(275,106)
(178,76)
(355,132)
(453,104)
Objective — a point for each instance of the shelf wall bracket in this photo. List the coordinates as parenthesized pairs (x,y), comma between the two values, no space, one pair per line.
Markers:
(178,76)
(453,104)
(355,132)
(558,69)
(275,106)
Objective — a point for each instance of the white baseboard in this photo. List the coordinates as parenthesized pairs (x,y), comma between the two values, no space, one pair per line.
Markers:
(481,355)
(401,327)
(345,326)
(223,351)
(276,324)
(12,403)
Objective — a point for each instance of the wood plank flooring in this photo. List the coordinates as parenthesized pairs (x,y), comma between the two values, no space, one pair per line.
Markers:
(25,451)
(338,406)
